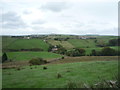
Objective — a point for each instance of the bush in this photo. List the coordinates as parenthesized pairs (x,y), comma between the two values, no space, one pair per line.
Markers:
(37,61)
(44,68)
(59,75)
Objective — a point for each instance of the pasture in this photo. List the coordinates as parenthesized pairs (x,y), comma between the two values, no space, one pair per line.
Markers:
(80,72)
(83,43)
(60,72)
(25,56)
(17,44)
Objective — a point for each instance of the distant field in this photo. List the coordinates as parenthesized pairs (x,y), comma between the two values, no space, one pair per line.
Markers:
(25,44)
(80,72)
(65,44)
(89,50)
(61,36)
(25,56)
(87,44)
(83,43)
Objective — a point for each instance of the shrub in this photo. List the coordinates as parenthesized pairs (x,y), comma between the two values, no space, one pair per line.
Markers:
(37,61)
(59,75)
(44,68)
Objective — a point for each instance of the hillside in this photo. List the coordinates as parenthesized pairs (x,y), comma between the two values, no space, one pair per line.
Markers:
(37,77)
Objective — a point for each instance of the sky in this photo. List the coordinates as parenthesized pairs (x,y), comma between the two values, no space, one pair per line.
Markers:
(80,17)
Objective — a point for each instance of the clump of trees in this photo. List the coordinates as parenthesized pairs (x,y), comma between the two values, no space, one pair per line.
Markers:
(37,61)
(61,39)
(76,52)
(114,42)
(61,49)
(106,51)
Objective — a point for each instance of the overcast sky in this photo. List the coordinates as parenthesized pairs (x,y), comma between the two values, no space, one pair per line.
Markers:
(18,17)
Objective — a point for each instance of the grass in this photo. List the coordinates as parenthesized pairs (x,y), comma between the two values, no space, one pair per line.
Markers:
(65,44)
(83,43)
(24,56)
(26,44)
(0,77)
(6,41)
(36,77)
(89,44)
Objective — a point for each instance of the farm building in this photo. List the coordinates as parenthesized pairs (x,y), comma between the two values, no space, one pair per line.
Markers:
(55,48)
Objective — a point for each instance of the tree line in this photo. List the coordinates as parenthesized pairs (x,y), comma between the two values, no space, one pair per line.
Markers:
(105,51)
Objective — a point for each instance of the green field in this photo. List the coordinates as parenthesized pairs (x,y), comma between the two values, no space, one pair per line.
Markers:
(65,44)
(17,44)
(83,43)
(23,56)
(83,69)
(6,41)
(86,72)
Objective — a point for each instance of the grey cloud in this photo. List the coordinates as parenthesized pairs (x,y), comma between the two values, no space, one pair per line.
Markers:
(55,6)
(11,20)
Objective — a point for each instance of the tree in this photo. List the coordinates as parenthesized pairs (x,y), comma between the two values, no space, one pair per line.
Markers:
(4,57)
(62,50)
(113,42)
(81,51)
(76,52)
(107,51)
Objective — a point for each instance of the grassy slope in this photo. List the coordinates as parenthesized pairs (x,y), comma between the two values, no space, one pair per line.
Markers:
(87,72)
(65,44)
(22,56)
(89,44)
(28,44)
(83,43)
(6,41)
